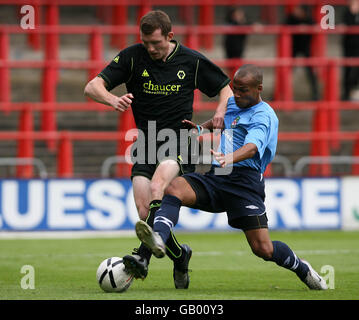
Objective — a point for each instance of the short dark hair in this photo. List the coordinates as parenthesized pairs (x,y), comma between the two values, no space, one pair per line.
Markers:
(156,19)
(250,69)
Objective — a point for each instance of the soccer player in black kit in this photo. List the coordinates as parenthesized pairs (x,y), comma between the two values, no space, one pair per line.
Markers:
(160,76)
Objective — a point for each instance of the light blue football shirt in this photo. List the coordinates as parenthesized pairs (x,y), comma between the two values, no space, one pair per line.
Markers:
(257,124)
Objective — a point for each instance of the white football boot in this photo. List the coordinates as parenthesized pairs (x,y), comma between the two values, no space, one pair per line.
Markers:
(151,239)
(313,280)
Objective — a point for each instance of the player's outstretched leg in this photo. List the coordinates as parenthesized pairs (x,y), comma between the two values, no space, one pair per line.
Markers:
(282,255)
(285,257)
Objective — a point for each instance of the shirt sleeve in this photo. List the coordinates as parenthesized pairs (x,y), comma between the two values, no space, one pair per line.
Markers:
(209,78)
(118,71)
(259,133)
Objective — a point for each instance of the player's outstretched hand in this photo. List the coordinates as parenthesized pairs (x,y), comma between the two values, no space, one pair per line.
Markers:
(220,157)
(122,103)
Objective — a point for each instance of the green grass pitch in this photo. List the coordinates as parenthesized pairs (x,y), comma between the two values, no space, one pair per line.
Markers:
(223,267)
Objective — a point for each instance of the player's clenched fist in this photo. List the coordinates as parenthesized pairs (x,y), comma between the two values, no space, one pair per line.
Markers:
(122,103)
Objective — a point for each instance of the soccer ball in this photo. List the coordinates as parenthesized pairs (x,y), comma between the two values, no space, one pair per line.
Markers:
(112,276)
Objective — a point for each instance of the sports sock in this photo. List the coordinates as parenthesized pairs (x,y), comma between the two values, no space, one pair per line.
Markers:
(286,258)
(173,248)
(167,216)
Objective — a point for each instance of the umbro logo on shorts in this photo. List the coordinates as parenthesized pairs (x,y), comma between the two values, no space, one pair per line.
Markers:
(253,207)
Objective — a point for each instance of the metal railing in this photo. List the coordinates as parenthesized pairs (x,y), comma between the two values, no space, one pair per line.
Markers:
(289,169)
(26,161)
(302,162)
(109,162)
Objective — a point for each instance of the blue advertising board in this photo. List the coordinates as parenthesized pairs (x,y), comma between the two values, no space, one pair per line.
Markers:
(107,204)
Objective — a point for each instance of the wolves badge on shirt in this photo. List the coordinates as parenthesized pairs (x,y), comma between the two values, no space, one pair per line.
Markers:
(235,122)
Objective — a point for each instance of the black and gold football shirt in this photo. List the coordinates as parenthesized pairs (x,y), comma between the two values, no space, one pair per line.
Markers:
(163,90)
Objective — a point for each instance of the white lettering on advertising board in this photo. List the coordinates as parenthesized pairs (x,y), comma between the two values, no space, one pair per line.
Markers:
(303,203)
(10,204)
(282,198)
(104,196)
(63,196)
(320,203)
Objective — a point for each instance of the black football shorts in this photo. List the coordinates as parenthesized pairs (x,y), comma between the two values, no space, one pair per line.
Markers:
(185,153)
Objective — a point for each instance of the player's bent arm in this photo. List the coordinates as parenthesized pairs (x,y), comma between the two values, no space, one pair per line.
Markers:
(96,90)
(246,152)
(218,118)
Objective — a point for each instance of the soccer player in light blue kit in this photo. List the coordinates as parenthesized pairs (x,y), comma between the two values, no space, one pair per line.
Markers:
(235,182)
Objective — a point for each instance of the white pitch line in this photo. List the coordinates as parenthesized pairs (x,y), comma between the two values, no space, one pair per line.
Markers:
(329,251)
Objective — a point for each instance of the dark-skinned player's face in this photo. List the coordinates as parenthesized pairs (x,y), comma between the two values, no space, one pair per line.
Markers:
(246,91)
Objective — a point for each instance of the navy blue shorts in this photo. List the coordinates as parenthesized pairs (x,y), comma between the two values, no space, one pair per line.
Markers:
(239,193)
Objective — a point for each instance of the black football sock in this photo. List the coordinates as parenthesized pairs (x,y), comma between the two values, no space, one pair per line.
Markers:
(173,248)
(286,258)
(143,251)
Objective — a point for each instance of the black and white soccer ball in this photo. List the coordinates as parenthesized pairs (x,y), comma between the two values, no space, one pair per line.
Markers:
(112,276)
